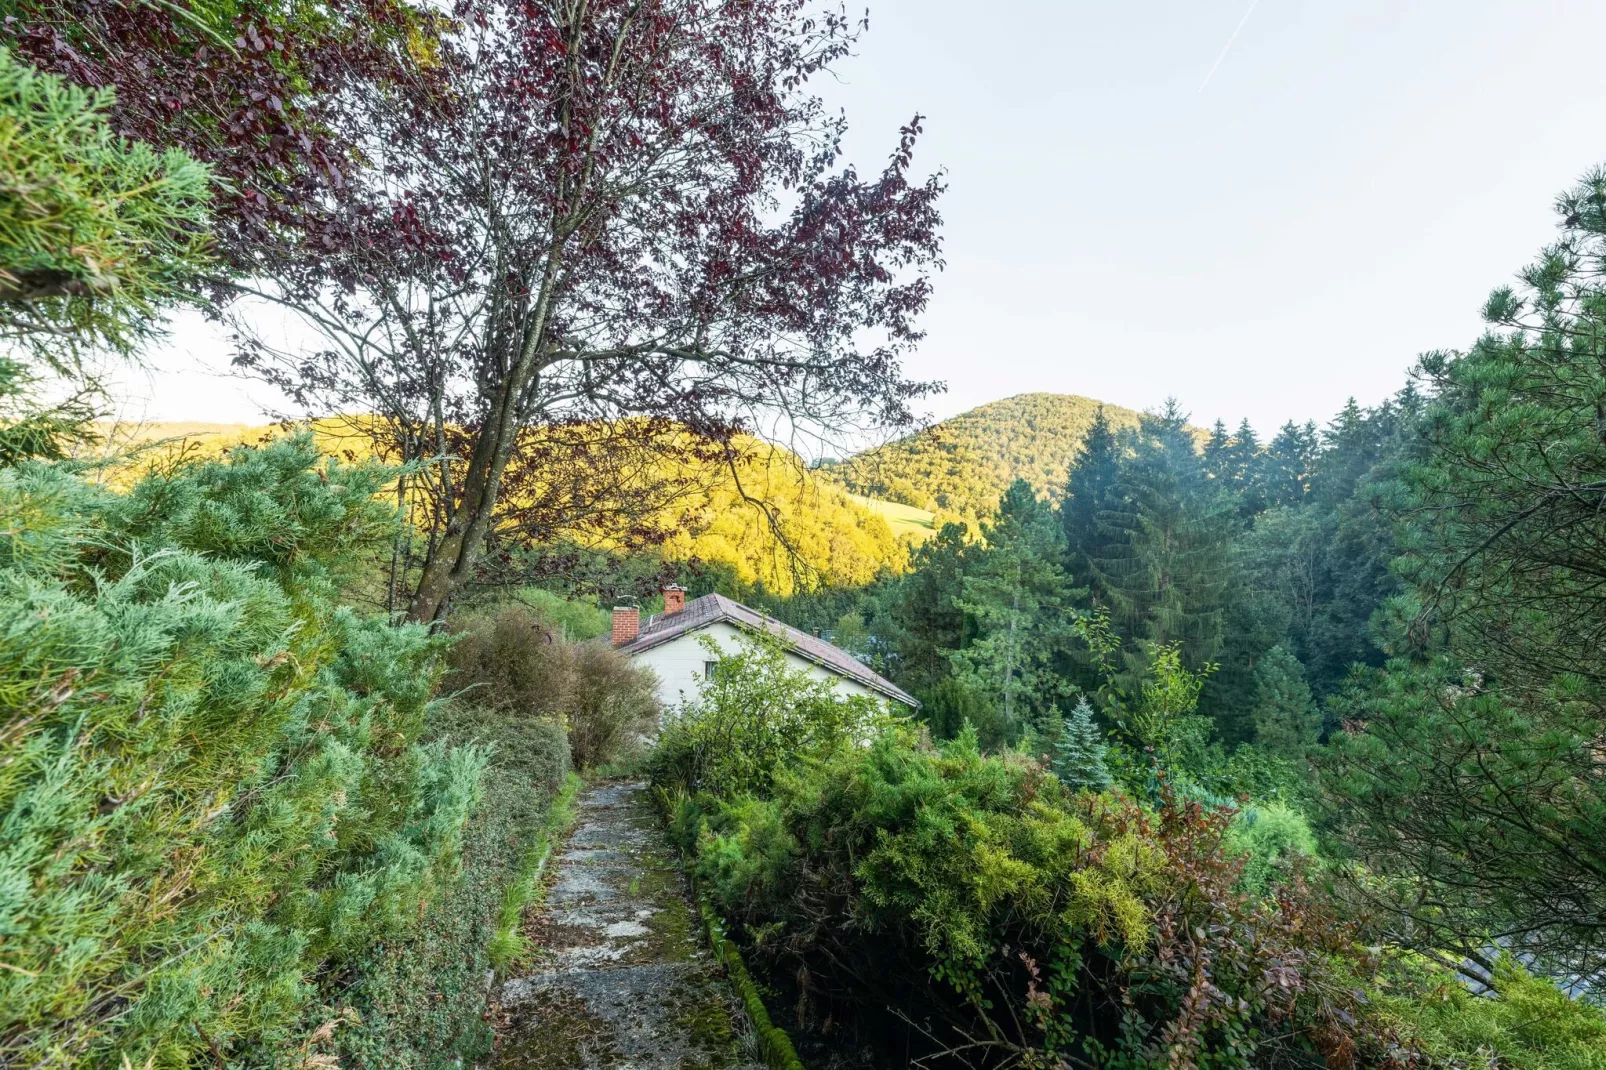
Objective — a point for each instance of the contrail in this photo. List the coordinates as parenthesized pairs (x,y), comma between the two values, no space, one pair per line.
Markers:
(1228,46)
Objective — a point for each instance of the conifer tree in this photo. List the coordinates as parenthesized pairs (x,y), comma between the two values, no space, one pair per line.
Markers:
(1475,780)
(1015,591)
(1290,461)
(1286,719)
(1086,493)
(1165,567)
(1244,463)
(922,615)
(96,232)
(1217,454)
(1079,752)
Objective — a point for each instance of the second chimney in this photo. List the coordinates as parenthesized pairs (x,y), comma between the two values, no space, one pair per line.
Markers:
(626,624)
(674,599)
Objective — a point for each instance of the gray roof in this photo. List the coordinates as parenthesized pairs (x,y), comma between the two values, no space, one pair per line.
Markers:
(715,608)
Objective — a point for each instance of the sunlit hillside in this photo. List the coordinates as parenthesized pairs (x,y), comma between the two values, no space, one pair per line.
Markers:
(798,530)
(959,468)
(905,520)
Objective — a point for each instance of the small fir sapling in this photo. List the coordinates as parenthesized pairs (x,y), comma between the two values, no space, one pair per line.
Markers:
(1079,757)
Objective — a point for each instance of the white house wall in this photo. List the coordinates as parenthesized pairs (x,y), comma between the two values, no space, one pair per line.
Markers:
(679,664)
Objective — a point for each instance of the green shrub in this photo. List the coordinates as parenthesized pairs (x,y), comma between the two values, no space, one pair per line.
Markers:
(419,998)
(95,231)
(900,882)
(1017,923)
(1270,838)
(1525,1023)
(755,716)
(613,705)
(511,660)
(212,794)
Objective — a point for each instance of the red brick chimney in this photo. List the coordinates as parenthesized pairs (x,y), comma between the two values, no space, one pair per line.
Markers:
(674,599)
(626,624)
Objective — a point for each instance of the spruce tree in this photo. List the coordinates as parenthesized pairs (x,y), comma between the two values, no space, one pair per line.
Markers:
(1164,568)
(1217,454)
(1243,463)
(1290,461)
(1079,752)
(1286,719)
(1015,591)
(1087,491)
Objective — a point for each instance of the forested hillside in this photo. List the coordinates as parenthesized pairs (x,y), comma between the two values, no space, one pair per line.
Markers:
(759,518)
(959,468)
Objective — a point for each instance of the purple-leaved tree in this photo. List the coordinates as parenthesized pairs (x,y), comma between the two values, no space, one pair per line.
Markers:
(623,213)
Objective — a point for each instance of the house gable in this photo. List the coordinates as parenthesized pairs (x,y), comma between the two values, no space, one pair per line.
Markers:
(669,645)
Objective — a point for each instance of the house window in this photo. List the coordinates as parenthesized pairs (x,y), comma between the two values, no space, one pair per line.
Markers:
(708,669)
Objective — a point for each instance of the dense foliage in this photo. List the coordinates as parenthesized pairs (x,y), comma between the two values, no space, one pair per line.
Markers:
(1409,597)
(514,661)
(912,903)
(95,232)
(936,903)
(213,797)
(416,1000)
(1469,781)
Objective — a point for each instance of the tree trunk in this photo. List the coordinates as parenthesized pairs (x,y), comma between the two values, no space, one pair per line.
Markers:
(451,561)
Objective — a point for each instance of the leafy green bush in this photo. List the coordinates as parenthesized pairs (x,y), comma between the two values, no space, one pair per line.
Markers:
(1527,1023)
(754,716)
(1271,838)
(975,899)
(211,787)
(511,660)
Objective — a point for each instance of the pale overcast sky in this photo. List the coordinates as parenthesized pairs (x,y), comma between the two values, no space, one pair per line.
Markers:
(1341,195)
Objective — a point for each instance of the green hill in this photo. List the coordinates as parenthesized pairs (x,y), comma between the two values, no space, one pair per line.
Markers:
(959,468)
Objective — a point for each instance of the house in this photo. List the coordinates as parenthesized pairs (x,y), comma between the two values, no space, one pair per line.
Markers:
(669,644)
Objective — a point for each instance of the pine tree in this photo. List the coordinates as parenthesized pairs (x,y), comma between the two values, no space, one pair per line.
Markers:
(1474,782)
(1079,752)
(1286,719)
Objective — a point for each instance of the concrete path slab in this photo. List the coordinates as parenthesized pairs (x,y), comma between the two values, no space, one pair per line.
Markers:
(624,981)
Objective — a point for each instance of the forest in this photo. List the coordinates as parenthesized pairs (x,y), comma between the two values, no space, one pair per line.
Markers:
(1229,752)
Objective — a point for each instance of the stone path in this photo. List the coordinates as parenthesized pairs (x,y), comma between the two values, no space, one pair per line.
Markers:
(625,980)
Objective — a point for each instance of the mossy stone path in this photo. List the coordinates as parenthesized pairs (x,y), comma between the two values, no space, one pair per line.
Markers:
(623,980)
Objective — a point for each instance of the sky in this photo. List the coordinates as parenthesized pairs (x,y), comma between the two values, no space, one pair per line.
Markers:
(1137,211)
